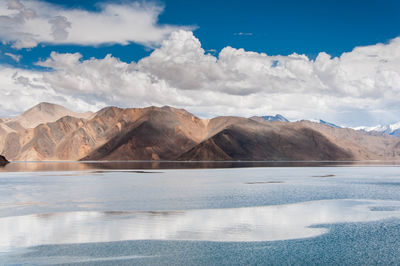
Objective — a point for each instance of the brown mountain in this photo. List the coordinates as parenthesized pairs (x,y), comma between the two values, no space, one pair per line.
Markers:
(150,134)
(167,133)
(42,113)
(251,140)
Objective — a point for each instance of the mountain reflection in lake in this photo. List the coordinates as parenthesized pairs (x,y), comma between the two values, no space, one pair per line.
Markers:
(121,165)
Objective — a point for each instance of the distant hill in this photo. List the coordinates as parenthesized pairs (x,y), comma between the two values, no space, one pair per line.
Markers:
(167,133)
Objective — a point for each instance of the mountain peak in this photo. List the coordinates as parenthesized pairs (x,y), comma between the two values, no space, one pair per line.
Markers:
(328,124)
(45,112)
(45,107)
(391,129)
(277,117)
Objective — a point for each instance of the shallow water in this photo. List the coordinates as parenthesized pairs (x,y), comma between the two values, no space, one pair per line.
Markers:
(102,215)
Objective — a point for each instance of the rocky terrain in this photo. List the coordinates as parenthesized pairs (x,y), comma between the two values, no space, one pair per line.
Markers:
(52,132)
(3,160)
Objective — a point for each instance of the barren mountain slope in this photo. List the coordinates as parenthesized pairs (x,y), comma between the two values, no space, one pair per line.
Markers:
(160,133)
(4,131)
(112,133)
(263,140)
(43,113)
(40,143)
(168,133)
(251,140)
(68,138)
(363,146)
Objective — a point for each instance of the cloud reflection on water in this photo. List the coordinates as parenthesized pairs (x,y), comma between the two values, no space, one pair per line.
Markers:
(268,223)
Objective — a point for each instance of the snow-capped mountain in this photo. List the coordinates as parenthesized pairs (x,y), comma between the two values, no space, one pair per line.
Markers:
(392,129)
(281,118)
(277,117)
(328,124)
(320,121)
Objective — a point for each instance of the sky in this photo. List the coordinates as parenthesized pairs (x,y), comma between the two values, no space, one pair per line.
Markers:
(333,60)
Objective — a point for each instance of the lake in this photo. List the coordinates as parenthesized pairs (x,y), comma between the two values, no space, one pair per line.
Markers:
(206,213)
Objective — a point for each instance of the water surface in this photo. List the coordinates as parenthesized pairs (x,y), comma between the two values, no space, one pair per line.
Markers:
(91,214)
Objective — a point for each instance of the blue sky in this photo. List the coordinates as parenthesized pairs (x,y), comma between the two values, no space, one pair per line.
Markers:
(287,26)
(334,60)
(273,27)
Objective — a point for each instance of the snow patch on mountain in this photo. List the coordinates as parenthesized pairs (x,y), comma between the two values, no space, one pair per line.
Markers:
(277,117)
(391,129)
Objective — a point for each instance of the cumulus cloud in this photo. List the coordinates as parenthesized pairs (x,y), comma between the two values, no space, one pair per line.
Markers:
(21,89)
(26,23)
(107,80)
(59,28)
(359,87)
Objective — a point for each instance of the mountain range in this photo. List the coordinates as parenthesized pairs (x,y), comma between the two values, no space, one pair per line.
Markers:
(391,129)
(52,132)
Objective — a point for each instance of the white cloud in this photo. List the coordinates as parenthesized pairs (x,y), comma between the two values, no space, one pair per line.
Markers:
(243,33)
(26,23)
(21,89)
(15,57)
(14,5)
(359,87)
(107,80)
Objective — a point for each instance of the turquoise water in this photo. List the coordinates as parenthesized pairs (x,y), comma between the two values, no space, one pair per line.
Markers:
(260,215)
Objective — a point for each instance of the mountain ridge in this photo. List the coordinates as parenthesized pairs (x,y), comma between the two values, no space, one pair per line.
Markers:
(43,112)
(168,133)
(390,129)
